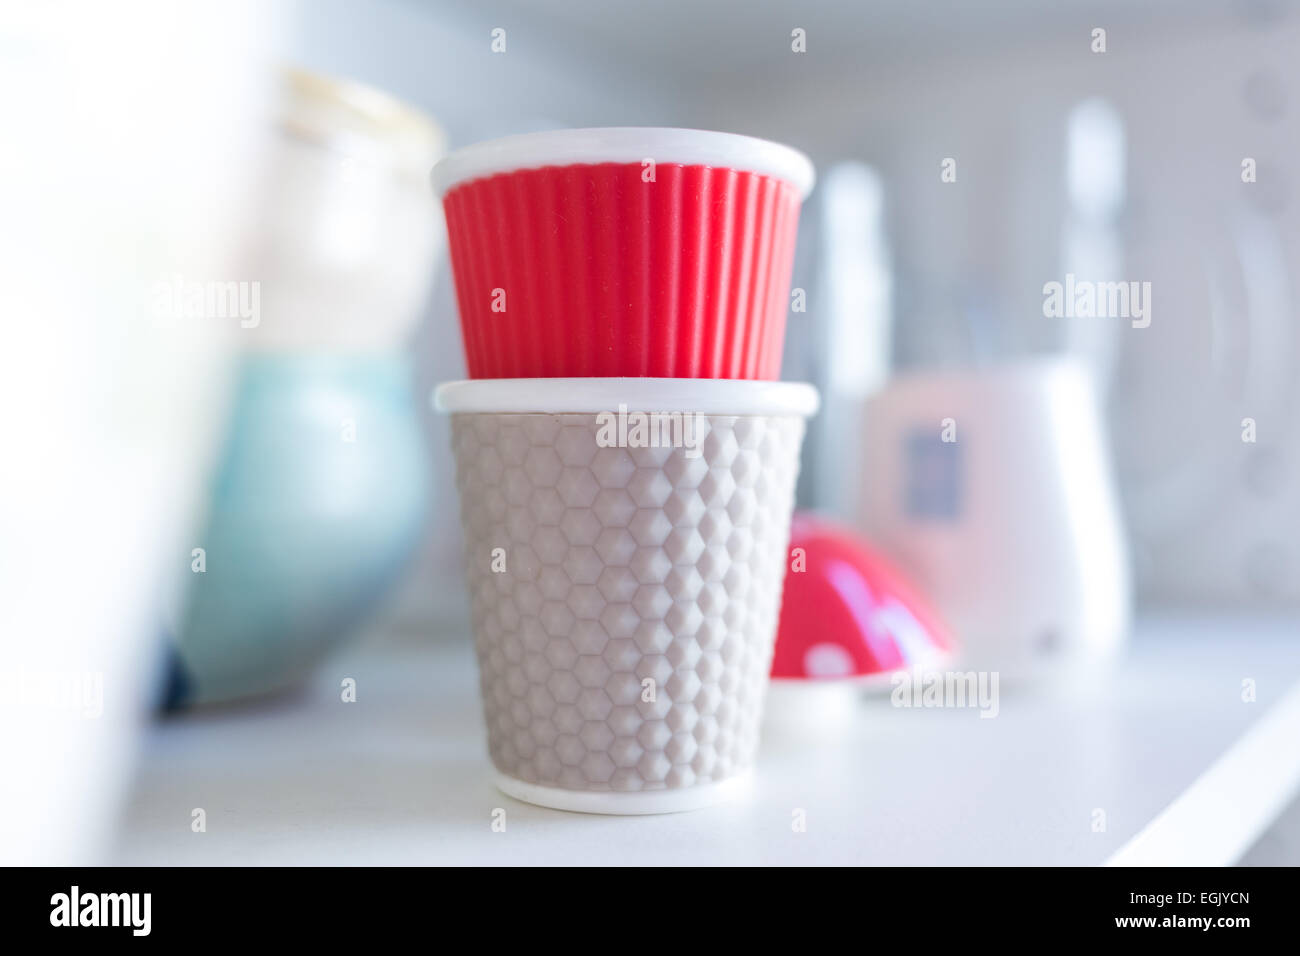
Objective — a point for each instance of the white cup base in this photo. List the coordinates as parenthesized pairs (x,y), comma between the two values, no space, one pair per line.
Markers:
(629,803)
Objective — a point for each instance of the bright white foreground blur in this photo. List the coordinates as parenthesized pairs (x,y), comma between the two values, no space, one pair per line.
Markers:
(125,151)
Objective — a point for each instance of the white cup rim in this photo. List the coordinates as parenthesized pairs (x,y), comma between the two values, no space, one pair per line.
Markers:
(624,144)
(706,396)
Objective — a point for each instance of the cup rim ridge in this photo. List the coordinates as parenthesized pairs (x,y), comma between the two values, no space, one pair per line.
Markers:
(708,396)
(624,144)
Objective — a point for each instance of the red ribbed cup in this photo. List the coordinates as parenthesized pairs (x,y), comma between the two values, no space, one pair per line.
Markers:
(588,269)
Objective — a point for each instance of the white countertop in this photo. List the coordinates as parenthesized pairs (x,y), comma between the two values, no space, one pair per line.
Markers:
(1184,770)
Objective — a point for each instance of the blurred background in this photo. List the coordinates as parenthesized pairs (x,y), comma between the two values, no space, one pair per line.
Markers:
(265,166)
(1123,164)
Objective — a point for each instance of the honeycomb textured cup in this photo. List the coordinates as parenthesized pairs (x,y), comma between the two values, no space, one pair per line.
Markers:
(624,600)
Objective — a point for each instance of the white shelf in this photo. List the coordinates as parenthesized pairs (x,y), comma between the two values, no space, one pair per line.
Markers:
(401,776)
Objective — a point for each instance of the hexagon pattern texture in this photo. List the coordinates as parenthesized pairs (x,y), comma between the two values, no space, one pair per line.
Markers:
(626,570)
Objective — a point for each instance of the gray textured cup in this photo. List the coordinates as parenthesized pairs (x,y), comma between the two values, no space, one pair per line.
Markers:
(624,598)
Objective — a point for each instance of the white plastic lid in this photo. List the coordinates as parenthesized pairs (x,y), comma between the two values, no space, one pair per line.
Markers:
(707,396)
(624,144)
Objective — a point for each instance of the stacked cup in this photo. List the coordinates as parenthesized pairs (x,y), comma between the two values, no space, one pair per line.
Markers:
(625,460)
